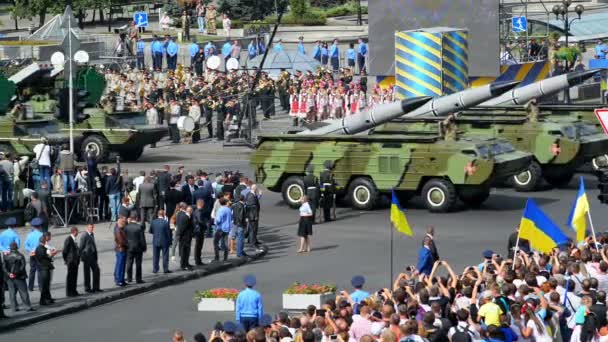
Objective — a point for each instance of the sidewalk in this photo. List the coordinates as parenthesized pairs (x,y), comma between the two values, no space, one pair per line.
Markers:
(105,245)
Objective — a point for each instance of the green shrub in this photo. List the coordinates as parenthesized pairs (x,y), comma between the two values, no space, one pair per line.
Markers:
(310,18)
(298,7)
(349,8)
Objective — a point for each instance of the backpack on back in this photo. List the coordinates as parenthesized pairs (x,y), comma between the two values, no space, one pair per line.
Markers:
(462,334)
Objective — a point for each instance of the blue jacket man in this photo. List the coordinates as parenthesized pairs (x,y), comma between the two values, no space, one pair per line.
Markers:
(249,308)
(32,240)
(226,50)
(425,257)
(172,50)
(140,47)
(358,295)
(157,53)
(252,51)
(161,241)
(361,54)
(223,223)
(334,55)
(301,48)
(9,235)
(207,49)
(193,50)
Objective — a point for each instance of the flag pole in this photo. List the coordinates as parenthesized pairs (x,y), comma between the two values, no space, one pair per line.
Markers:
(592,229)
(516,248)
(390,226)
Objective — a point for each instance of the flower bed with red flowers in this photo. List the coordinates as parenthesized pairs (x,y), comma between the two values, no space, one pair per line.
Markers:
(216,293)
(298,288)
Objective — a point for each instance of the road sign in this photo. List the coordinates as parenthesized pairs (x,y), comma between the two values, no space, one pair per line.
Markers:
(140,19)
(519,24)
(602,116)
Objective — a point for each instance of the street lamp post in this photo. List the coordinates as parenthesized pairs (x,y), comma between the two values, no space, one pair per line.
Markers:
(562,12)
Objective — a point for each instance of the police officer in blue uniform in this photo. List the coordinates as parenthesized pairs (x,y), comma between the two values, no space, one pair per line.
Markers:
(31,243)
(9,235)
(334,56)
(359,295)
(172,49)
(140,47)
(361,55)
(157,53)
(249,307)
(193,50)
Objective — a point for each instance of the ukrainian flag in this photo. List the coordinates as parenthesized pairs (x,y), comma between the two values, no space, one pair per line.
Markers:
(538,228)
(398,218)
(578,214)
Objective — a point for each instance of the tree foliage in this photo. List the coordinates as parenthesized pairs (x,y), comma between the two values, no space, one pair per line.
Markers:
(298,7)
(247,9)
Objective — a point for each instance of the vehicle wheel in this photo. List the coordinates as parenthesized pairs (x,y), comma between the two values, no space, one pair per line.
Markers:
(558,178)
(98,144)
(293,190)
(600,162)
(439,195)
(529,179)
(363,194)
(132,155)
(474,196)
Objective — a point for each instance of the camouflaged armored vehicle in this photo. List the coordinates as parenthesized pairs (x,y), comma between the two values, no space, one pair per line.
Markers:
(126,133)
(559,148)
(368,166)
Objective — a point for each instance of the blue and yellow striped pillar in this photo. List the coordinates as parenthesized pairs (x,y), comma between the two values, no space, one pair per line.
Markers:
(431,62)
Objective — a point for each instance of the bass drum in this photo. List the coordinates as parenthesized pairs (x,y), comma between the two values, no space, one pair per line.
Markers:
(185,124)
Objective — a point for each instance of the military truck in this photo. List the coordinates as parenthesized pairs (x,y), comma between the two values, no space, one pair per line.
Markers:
(126,133)
(559,148)
(368,166)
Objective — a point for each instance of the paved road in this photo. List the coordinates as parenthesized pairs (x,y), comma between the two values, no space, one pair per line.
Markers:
(358,243)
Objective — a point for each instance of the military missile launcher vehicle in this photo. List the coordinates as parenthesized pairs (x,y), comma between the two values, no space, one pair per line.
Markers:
(367,166)
(559,148)
(40,91)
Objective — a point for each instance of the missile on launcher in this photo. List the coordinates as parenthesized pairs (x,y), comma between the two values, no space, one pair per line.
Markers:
(548,86)
(415,107)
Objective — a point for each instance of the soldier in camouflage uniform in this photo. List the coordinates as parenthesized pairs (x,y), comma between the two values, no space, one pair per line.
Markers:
(449,128)
(328,190)
(532,110)
(283,89)
(311,186)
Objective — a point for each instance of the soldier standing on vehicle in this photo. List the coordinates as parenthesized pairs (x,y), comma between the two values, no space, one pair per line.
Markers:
(448,127)
(328,190)
(532,110)
(311,184)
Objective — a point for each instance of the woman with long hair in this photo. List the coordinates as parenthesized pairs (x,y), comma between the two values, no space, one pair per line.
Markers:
(305,225)
(534,320)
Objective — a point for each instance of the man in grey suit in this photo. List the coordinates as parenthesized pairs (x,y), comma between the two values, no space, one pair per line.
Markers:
(147,199)
(136,240)
(161,241)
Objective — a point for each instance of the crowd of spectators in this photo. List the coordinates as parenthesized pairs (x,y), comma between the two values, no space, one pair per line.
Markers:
(522,295)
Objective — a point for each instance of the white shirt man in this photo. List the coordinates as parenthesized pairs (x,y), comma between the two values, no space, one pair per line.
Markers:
(43,154)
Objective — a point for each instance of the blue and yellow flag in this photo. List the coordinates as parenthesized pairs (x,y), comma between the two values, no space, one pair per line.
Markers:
(578,214)
(398,218)
(539,230)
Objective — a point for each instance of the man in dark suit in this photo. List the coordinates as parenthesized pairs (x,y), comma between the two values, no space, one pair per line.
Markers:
(71,257)
(183,234)
(45,262)
(200,223)
(188,190)
(136,241)
(164,184)
(252,203)
(172,199)
(147,200)
(88,255)
(161,241)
